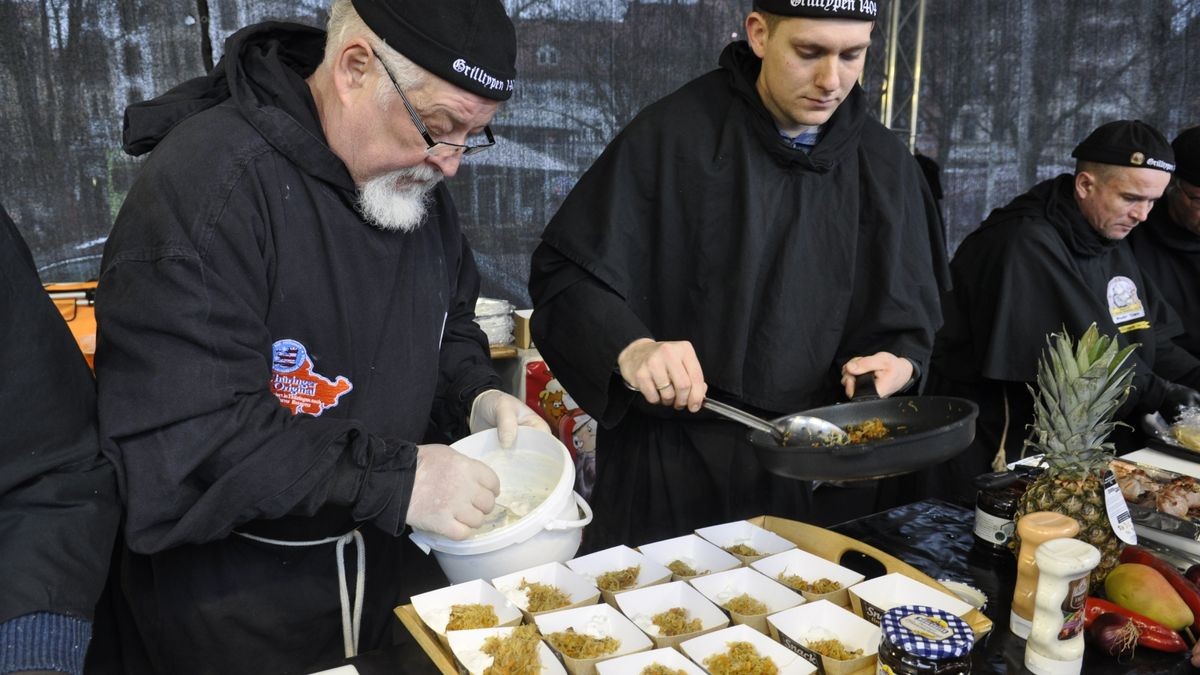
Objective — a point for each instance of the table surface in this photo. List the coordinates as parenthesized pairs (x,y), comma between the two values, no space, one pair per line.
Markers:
(936,537)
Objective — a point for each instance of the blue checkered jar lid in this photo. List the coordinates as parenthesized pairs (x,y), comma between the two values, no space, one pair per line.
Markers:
(927,632)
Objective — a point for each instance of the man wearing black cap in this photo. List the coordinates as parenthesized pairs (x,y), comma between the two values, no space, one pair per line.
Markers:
(285,314)
(1167,245)
(1056,257)
(755,237)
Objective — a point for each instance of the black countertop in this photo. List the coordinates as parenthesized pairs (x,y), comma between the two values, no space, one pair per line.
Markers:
(936,538)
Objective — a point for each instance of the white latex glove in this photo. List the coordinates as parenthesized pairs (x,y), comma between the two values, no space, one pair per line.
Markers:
(504,412)
(451,492)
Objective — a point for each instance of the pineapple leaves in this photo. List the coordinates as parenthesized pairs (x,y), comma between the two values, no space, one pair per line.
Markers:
(1080,385)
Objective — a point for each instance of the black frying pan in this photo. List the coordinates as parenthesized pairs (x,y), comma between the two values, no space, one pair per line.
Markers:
(925,430)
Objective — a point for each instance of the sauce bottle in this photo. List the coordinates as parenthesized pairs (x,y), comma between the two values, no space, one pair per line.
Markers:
(1055,645)
(1033,529)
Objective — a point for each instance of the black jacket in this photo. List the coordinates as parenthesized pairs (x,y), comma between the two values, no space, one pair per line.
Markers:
(267,360)
(58,498)
(1170,255)
(1035,267)
(700,223)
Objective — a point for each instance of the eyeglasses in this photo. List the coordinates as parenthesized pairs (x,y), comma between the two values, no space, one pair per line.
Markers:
(438,148)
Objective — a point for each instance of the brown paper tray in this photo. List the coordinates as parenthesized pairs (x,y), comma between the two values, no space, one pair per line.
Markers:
(816,540)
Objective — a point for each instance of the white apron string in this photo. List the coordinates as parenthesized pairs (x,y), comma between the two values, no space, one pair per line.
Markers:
(350,625)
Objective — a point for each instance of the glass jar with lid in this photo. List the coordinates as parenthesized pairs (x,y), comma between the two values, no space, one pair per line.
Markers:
(920,640)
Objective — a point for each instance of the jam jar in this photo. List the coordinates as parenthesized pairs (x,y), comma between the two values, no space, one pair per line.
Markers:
(920,640)
(996,508)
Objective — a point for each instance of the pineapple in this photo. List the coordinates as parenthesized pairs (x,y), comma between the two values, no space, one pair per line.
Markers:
(1080,386)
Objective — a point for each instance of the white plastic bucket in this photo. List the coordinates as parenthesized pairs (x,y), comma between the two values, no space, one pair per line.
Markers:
(550,532)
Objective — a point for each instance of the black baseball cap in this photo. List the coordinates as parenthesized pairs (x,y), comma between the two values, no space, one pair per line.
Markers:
(1127,143)
(469,43)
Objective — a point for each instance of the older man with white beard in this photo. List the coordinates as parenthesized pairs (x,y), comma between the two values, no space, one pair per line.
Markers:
(286,318)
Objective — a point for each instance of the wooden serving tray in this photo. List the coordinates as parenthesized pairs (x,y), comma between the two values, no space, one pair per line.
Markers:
(816,540)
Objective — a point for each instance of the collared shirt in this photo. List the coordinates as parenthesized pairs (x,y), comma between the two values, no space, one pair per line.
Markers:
(805,140)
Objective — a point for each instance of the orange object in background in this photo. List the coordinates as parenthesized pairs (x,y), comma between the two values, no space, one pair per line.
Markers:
(76,303)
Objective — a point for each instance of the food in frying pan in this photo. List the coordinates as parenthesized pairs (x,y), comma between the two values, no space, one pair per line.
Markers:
(870,430)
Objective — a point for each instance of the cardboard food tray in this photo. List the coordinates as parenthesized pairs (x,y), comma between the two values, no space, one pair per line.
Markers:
(815,540)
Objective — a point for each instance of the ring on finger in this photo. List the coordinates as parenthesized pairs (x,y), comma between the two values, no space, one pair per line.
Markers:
(664,387)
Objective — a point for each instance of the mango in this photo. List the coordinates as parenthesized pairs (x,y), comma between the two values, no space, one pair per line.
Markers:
(1140,588)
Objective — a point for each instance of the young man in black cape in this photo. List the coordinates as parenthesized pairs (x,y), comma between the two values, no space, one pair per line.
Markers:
(1167,245)
(1056,257)
(58,496)
(286,309)
(755,237)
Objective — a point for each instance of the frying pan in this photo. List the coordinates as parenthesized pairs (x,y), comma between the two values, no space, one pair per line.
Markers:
(924,430)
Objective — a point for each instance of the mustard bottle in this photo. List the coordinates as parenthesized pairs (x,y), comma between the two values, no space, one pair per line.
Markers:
(1033,529)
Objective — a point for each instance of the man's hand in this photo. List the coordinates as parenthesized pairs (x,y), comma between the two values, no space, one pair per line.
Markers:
(892,373)
(504,412)
(666,373)
(1177,398)
(451,492)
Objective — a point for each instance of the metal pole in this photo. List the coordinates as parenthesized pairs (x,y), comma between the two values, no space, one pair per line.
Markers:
(916,85)
(893,45)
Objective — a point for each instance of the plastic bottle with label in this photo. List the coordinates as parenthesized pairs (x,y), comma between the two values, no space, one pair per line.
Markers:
(1033,529)
(1055,645)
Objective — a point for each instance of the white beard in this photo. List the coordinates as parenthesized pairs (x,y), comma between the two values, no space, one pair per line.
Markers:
(396,201)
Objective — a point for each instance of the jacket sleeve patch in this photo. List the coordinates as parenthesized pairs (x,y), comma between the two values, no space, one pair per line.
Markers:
(298,387)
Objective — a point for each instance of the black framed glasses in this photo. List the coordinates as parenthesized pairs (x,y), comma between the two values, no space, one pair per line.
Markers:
(438,148)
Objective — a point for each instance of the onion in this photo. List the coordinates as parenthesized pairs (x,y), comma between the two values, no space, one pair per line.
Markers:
(1115,635)
(1193,574)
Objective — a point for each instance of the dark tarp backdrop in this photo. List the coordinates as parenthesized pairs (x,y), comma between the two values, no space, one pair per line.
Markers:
(1007,90)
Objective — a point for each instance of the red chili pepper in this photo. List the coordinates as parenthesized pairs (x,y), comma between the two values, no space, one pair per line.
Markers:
(1187,590)
(1154,635)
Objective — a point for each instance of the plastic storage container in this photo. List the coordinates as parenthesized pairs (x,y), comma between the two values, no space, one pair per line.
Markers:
(550,532)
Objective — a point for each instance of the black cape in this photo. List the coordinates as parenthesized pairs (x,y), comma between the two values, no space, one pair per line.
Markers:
(58,497)
(1035,267)
(1170,255)
(699,223)
(239,279)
